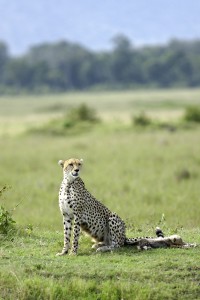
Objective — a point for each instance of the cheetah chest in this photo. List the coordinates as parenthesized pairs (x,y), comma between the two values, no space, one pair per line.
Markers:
(66,202)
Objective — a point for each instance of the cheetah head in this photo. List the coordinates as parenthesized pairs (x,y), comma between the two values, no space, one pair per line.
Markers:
(71,168)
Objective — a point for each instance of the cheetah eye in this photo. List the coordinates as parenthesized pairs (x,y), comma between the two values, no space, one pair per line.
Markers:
(71,165)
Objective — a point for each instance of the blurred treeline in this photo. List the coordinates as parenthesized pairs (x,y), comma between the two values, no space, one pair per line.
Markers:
(67,66)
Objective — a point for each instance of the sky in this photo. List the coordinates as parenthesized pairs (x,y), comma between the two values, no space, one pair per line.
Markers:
(93,24)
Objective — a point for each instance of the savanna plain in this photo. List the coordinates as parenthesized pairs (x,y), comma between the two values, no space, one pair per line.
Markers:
(146,169)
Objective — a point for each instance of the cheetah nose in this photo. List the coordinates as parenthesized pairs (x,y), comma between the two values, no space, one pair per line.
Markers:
(75,172)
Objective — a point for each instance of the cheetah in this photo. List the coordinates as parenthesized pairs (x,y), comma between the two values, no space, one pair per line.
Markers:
(80,209)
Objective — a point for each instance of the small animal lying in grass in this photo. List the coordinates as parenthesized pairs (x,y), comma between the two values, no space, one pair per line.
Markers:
(106,228)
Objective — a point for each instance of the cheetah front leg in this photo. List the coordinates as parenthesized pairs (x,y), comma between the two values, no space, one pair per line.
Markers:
(76,234)
(67,222)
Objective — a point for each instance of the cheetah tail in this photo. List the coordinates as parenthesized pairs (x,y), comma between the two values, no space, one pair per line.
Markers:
(159,232)
(136,241)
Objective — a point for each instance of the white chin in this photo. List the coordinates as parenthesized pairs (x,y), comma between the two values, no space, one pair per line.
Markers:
(72,177)
(75,175)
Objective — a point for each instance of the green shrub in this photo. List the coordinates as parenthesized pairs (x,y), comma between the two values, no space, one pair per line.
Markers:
(6,221)
(82,113)
(142,120)
(76,121)
(192,114)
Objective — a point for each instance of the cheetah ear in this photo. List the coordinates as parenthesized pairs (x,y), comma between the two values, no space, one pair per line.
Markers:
(61,163)
(81,160)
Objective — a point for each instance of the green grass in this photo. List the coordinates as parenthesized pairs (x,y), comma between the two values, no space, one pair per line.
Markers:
(136,173)
(30,270)
(120,101)
(21,112)
(141,166)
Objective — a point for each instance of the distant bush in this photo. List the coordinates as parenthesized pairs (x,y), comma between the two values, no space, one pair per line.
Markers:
(192,114)
(142,120)
(76,121)
(167,126)
(82,113)
(183,174)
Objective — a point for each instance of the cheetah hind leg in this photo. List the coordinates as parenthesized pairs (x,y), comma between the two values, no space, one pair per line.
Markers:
(114,234)
(106,239)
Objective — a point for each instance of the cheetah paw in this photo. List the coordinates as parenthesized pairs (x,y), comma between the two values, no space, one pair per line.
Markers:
(72,253)
(145,247)
(61,253)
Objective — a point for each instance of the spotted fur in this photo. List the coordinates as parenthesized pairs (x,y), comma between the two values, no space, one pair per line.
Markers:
(106,228)
(82,211)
